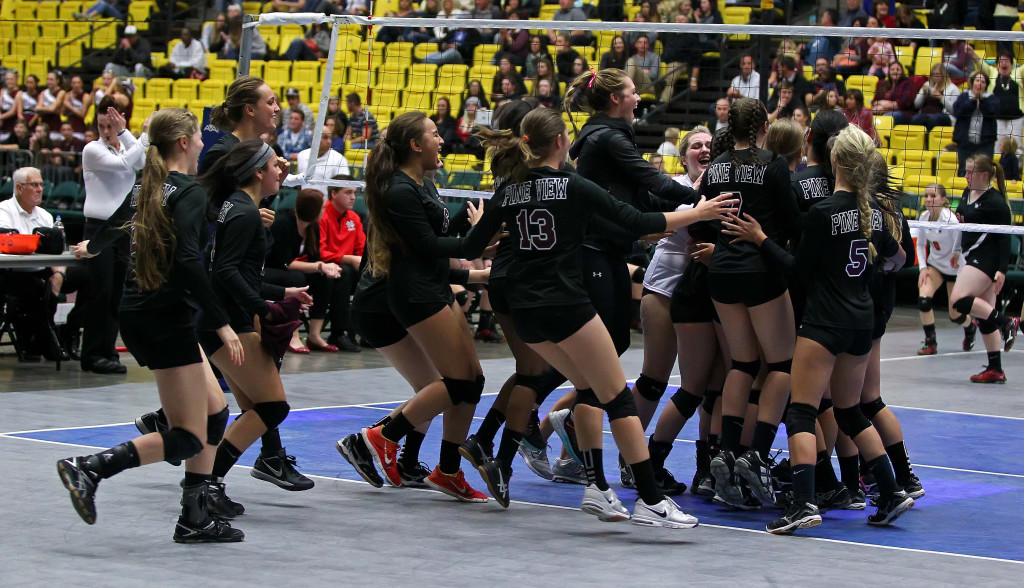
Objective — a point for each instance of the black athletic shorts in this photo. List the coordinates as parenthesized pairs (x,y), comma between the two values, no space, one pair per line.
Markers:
(163,338)
(989,266)
(885,302)
(497,293)
(748,288)
(210,341)
(610,289)
(836,340)
(691,299)
(551,323)
(413,313)
(379,329)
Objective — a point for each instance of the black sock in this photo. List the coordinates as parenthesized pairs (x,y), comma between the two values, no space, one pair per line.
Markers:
(995,360)
(824,474)
(646,487)
(411,449)
(113,461)
(714,443)
(271,443)
(703,456)
(486,321)
(227,455)
(881,467)
(849,471)
(192,478)
(740,450)
(929,332)
(732,430)
(489,428)
(399,427)
(998,318)
(383,421)
(450,461)
(509,445)
(803,483)
(659,451)
(161,416)
(764,436)
(595,467)
(900,460)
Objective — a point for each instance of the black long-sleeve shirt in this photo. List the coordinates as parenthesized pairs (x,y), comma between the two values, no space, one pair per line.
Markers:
(989,209)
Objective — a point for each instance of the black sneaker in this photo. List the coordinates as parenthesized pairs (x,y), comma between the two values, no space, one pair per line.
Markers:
(758,476)
(667,483)
(1009,332)
(212,530)
(858,500)
(354,451)
(836,499)
(913,487)
(890,508)
(782,475)
(152,423)
(280,470)
(476,452)
(497,480)
(219,505)
(727,489)
(81,485)
(412,474)
(797,516)
(703,484)
(626,475)
(970,332)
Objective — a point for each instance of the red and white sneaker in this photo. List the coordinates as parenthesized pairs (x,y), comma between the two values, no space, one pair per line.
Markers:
(989,376)
(454,486)
(385,454)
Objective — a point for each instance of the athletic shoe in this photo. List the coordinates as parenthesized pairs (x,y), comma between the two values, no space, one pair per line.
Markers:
(989,376)
(152,423)
(970,332)
(703,484)
(567,471)
(757,474)
(667,483)
(475,452)
(782,474)
(566,431)
(212,530)
(412,474)
(532,434)
(536,459)
(603,504)
(626,475)
(384,453)
(664,514)
(279,470)
(836,499)
(890,509)
(219,505)
(930,347)
(454,486)
(727,490)
(858,500)
(355,453)
(488,336)
(797,516)
(1009,332)
(497,480)
(81,485)
(913,487)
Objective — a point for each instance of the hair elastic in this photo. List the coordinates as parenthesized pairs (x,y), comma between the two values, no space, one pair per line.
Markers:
(526,138)
(592,78)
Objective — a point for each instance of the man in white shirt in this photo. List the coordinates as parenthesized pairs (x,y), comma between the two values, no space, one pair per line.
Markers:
(108,168)
(748,83)
(329,163)
(186,57)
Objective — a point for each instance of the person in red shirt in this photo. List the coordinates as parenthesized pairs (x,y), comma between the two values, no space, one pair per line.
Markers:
(342,240)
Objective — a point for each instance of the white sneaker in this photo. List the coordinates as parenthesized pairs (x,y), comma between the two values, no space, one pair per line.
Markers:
(664,514)
(605,505)
(567,434)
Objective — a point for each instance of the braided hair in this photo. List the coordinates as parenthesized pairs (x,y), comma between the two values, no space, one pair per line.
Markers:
(746,118)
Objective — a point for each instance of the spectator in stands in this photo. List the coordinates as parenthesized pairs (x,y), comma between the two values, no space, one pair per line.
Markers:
(187,58)
(509,91)
(538,51)
(68,145)
(51,101)
(792,73)
(670,145)
(20,137)
(1009,161)
(294,103)
(853,10)
(456,47)
(881,53)
(44,156)
(956,55)
(329,163)
(748,83)
(935,99)
(721,121)
(132,57)
(823,47)
(485,10)
(1006,84)
(342,242)
(567,12)
(677,54)
(270,138)
(357,7)
(857,114)
(658,162)
(295,136)
(35,288)
(546,71)
(104,86)
(642,68)
(76,105)
(467,121)
(506,71)
(546,95)
(474,90)
(833,101)
(232,41)
(801,116)
(853,58)
(515,44)
(787,48)
(824,80)
(617,56)
(579,66)
(880,10)
(631,36)
(113,9)
(565,55)
(783,102)
(315,44)
(214,32)
(894,96)
(975,130)
(392,34)
(339,120)
(446,125)
(8,104)
(705,13)
(362,125)
(27,100)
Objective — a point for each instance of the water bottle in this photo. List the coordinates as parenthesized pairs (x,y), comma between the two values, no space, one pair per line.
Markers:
(57,224)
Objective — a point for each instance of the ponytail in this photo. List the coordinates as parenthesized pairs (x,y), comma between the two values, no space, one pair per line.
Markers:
(591,92)
(746,117)
(510,155)
(222,179)
(242,92)
(984,164)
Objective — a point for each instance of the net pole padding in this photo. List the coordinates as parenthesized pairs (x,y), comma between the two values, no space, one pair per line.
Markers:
(245,55)
(325,97)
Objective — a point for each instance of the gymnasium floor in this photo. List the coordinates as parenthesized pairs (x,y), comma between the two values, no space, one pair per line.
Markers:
(964,440)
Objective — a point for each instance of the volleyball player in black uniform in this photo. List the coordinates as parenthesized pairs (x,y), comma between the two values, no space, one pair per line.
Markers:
(165,281)
(752,301)
(842,236)
(985,260)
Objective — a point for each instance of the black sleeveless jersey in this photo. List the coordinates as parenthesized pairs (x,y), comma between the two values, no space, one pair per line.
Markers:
(989,209)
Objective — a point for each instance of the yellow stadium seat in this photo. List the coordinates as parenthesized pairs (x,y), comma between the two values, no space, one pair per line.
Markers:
(140,12)
(358,76)
(399,52)
(386,99)
(461,162)
(46,48)
(451,79)
(293,30)
(417,100)
(277,72)
(338,76)
(421,50)
(69,7)
(905,137)
(256,68)
(38,66)
(958,185)
(391,77)
(915,160)
(27,29)
(484,73)
(547,11)
(422,77)
(382,7)
(158,89)
(904,56)
(306,71)
(926,56)
(305,92)
(251,7)
(484,54)
(946,167)
(222,70)
(25,11)
(46,11)
(939,137)
(356,156)
(211,91)
(158,58)
(174,103)
(348,42)
(53,30)
(344,58)
(104,32)
(185,89)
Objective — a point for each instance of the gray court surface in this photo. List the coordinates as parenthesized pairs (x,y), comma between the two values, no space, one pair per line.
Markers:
(342,531)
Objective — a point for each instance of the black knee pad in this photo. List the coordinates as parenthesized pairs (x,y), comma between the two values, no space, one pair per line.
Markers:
(180,444)
(824,405)
(781,366)
(534,383)
(620,407)
(748,367)
(272,413)
(586,396)
(800,418)
(960,319)
(987,327)
(924,303)
(215,425)
(851,420)
(755,396)
(468,391)
(710,397)
(871,409)
(964,305)
(686,403)
(649,388)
